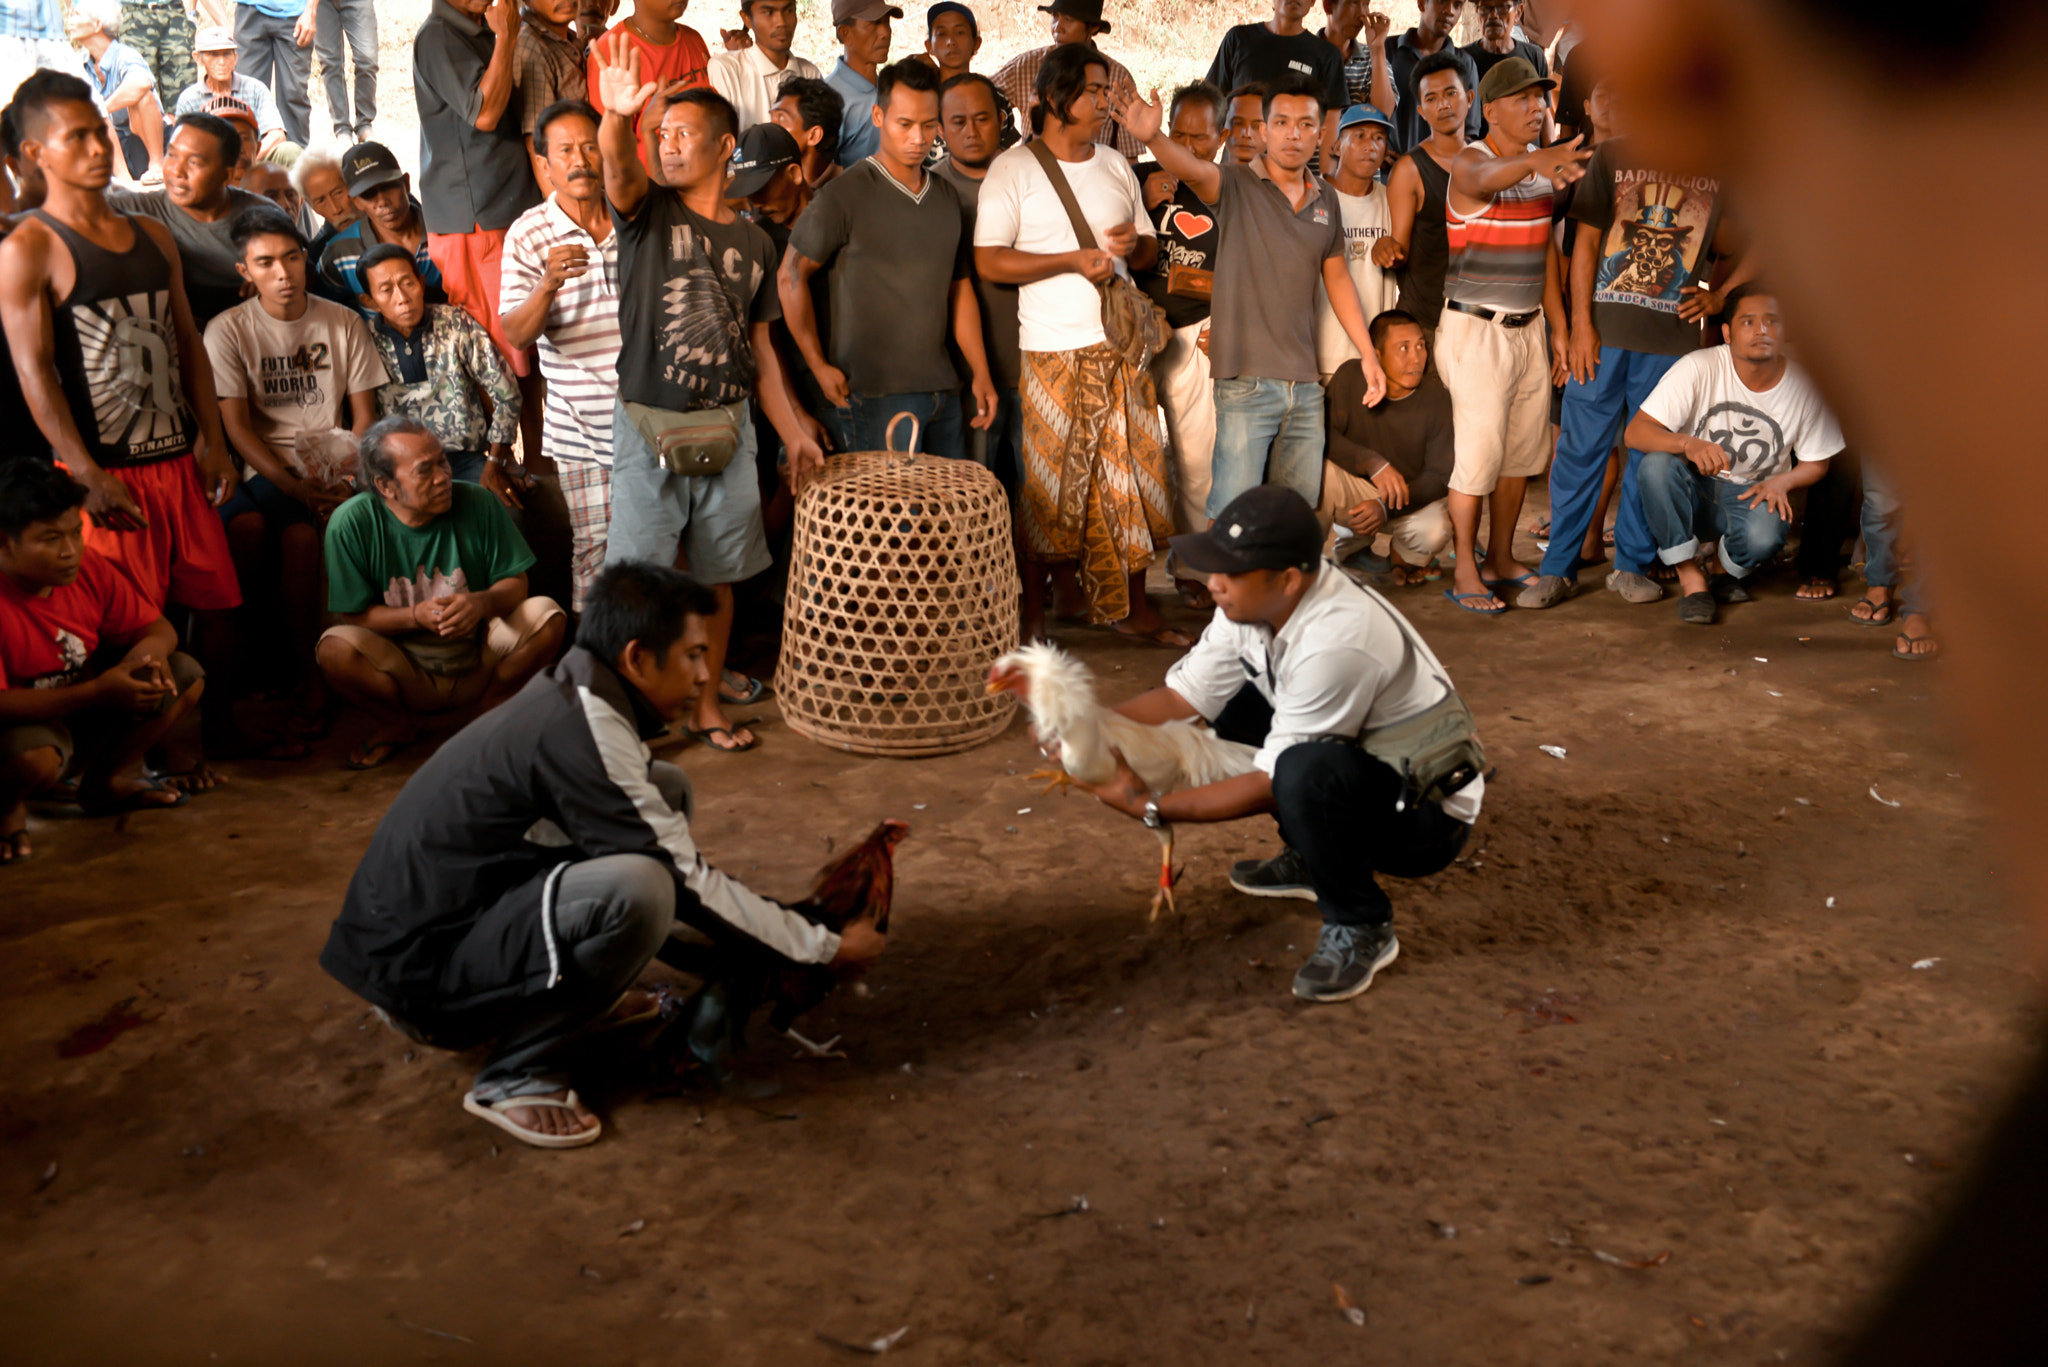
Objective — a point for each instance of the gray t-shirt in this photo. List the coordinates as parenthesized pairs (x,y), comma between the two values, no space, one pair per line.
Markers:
(212,283)
(892,255)
(998,302)
(1269,262)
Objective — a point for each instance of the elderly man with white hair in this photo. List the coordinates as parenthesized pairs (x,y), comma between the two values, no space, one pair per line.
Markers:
(316,175)
(124,85)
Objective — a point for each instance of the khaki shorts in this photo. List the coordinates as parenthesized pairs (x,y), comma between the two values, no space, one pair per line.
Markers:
(1499,380)
(1419,534)
(83,735)
(422,691)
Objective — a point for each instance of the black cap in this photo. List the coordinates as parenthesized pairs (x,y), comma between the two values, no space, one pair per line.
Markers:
(763,150)
(369,166)
(1267,528)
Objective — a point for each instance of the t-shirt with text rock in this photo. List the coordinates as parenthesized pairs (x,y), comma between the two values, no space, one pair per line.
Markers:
(1020,209)
(1701,396)
(686,60)
(374,560)
(892,254)
(296,376)
(1656,233)
(1187,237)
(690,289)
(1253,52)
(47,640)
(998,302)
(1367,219)
(1269,271)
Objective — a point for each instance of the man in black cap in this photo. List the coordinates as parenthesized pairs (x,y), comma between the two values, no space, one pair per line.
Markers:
(1323,676)
(1073,22)
(382,192)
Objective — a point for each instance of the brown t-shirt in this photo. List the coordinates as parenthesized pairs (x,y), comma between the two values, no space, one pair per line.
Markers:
(1411,434)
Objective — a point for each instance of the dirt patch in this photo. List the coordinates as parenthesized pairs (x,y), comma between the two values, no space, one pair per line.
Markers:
(1664,1007)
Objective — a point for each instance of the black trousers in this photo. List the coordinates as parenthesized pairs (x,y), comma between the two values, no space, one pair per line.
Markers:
(1336,809)
(1834,517)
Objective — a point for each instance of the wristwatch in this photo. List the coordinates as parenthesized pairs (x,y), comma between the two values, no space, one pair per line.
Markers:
(1153,821)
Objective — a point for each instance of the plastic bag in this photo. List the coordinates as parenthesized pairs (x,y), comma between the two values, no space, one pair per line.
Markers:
(328,458)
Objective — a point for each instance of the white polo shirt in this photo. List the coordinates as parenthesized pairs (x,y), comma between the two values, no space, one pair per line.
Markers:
(1340,665)
(579,341)
(753,83)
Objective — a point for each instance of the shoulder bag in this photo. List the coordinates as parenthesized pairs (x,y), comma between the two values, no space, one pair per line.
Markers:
(1135,326)
(1436,752)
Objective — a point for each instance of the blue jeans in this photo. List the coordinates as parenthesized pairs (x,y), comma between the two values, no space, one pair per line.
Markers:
(1593,417)
(942,429)
(1881,545)
(1684,507)
(1267,432)
(1001,447)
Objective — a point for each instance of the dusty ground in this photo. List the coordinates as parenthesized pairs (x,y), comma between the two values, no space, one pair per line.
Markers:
(1632,1023)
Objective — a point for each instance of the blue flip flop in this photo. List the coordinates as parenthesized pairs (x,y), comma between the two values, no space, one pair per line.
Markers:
(1462,600)
(1520,581)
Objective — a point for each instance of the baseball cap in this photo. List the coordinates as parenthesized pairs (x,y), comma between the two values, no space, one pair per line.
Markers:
(846,11)
(763,150)
(1269,527)
(1511,77)
(369,166)
(214,38)
(1363,113)
(945,7)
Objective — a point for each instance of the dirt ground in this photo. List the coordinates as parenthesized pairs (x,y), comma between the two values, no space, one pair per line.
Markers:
(1694,999)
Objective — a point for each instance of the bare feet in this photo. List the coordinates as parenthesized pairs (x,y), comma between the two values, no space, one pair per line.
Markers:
(196,778)
(1817,590)
(383,743)
(14,844)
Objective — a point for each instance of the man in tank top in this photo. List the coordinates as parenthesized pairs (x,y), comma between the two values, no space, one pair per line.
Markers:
(1415,239)
(1500,343)
(95,312)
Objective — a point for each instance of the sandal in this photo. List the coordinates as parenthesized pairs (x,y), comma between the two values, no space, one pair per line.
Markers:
(142,798)
(1464,602)
(494,1113)
(755,689)
(1195,594)
(736,748)
(1917,657)
(1881,614)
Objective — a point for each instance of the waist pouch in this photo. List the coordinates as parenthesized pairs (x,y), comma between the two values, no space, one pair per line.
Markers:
(1436,752)
(695,443)
(1188,282)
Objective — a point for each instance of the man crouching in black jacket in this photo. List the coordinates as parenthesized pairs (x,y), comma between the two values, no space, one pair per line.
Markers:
(526,875)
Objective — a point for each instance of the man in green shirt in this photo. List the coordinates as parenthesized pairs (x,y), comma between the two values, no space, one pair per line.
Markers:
(428,576)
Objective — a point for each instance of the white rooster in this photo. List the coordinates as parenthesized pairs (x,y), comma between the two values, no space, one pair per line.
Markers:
(1080,734)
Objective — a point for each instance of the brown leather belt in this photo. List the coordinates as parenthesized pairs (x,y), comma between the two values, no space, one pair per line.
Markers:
(1506,320)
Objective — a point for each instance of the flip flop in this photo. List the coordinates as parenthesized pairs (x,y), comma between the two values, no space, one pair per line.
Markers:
(360,758)
(1916,657)
(494,1113)
(755,691)
(708,732)
(135,801)
(1520,581)
(1464,602)
(1881,614)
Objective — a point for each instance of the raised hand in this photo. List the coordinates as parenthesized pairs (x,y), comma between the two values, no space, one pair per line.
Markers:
(1376,28)
(1141,118)
(1563,163)
(502,16)
(618,80)
(564,264)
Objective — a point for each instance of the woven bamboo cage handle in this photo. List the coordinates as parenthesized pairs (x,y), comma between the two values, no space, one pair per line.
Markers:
(889,433)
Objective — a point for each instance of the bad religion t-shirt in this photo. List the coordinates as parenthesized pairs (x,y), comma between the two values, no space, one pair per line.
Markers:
(1656,230)
(1701,396)
(296,376)
(689,291)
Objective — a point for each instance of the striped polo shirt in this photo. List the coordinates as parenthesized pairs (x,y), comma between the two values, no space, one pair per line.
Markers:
(1497,254)
(579,341)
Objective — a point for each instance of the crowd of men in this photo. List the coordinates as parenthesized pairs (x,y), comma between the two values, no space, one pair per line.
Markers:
(282,415)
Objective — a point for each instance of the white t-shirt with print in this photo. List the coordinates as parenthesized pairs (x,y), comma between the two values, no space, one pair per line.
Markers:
(1019,208)
(1762,433)
(295,376)
(1367,218)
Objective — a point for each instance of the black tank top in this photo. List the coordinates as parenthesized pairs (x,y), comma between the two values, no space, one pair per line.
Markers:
(117,351)
(1429,249)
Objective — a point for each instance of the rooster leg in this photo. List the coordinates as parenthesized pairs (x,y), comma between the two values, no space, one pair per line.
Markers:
(811,1047)
(1163,897)
(1054,778)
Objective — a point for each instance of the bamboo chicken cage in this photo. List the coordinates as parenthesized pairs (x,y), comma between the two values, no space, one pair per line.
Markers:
(902,592)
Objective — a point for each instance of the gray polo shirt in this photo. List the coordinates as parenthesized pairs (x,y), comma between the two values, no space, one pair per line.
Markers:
(1269,262)
(469,179)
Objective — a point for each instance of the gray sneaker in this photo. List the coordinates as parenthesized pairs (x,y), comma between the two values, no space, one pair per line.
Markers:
(1284,875)
(1346,960)
(1547,592)
(1633,587)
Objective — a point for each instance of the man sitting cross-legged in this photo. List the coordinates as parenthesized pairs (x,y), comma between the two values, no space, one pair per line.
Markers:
(529,872)
(1721,432)
(1389,467)
(428,575)
(89,677)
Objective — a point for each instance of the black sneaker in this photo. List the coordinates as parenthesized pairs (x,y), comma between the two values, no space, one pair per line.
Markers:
(1284,875)
(1345,962)
(1726,588)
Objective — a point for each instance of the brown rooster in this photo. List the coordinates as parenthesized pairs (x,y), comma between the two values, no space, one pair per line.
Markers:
(741,976)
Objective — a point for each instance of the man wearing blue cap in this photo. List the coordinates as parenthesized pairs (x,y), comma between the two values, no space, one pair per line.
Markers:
(1362,202)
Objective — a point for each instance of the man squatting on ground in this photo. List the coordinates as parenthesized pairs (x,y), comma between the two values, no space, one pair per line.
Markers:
(525,876)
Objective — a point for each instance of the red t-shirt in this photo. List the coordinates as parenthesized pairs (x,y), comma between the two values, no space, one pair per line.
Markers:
(686,60)
(45,642)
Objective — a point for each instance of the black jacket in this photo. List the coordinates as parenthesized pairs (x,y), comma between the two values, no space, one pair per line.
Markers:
(449,914)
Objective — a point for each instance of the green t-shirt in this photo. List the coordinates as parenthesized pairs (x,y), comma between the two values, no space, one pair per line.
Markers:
(373,559)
